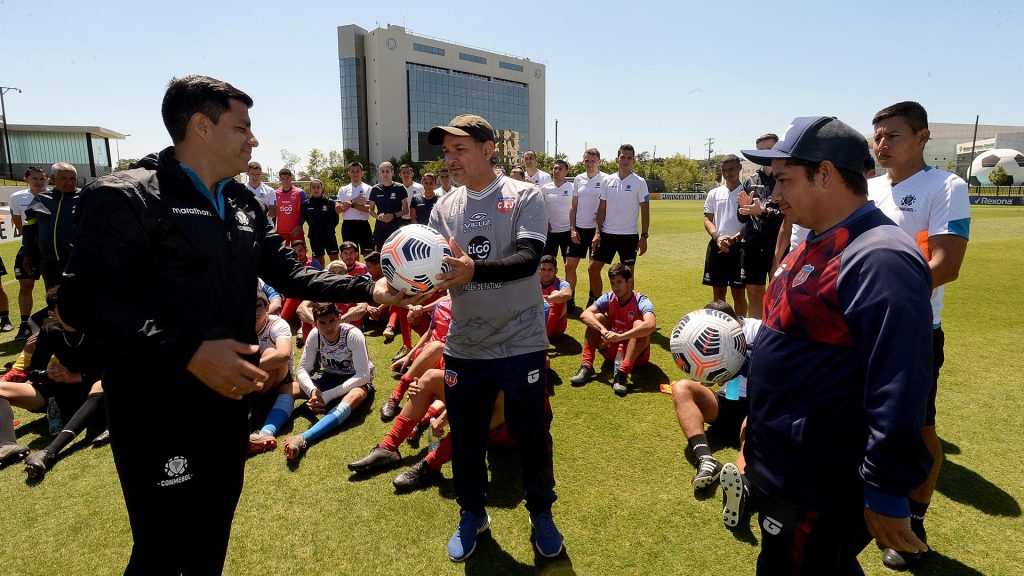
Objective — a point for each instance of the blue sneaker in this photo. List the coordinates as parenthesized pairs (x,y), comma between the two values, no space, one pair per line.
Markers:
(546,537)
(463,541)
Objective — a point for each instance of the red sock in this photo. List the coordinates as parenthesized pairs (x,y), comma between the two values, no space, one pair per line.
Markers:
(403,322)
(626,366)
(588,354)
(500,437)
(402,388)
(393,319)
(443,454)
(400,430)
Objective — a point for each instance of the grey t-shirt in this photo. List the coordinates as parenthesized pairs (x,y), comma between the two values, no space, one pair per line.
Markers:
(494,319)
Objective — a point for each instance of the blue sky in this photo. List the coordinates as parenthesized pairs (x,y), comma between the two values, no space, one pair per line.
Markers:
(664,75)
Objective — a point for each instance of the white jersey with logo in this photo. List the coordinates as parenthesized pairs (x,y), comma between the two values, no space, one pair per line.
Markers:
(540,177)
(558,200)
(263,193)
(588,193)
(413,189)
(349,193)
(275,329)
(494,319)
(929,203)
(722,204)
(346,357)
(623,197)
(19,201)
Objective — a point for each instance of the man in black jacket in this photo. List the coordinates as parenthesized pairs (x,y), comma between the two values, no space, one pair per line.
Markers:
(761,219)
(46,234)
(162,272)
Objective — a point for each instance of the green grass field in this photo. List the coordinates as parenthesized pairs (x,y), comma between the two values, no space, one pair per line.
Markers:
(625,506)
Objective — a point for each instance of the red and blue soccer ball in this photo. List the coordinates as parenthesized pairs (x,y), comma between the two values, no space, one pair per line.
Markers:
(412,257)
(709,346)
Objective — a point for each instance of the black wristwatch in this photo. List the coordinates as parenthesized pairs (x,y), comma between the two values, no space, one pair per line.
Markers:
(645,235)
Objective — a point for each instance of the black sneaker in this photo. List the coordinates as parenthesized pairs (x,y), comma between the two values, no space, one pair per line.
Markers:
(591,300)
(23,332)
(389,334)
(417,433)
(102,439)
(6,326)
(419,475)
(377,458)
(38,463)
(708,470)
(735,495)
(619,382)
(10,453)
(901,561)
(585,374)
(388,410)
(299,341)
(400,354)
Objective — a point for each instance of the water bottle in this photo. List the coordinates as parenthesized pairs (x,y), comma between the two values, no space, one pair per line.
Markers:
(619,356)
(732,389)
(53,419)
(435,440)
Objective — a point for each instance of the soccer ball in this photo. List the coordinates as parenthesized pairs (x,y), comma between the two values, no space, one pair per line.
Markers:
(411,258)
(709,346)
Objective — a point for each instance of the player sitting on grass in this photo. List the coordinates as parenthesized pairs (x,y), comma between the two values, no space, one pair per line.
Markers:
(425,355)
(335,374)
(696,404)
(351,312)
(557,293)
(72,382)
(276,359)
(620,318)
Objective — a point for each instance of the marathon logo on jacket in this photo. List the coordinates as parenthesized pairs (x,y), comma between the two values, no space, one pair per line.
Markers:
(192,212)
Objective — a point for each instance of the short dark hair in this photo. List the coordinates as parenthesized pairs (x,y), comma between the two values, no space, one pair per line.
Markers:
(355,165)
(767,136)
(323,309)
(549,259)
(349,245)
(255,166)
(730,158)
(298,242)
(52,297)
(620,269)
(563,163)
(372,258)
(722,306)
(32,169)
(592,152)
(912,112)
(626,147)
(284,172)
(442,171)
(869,163)
(854,179)
(191,94)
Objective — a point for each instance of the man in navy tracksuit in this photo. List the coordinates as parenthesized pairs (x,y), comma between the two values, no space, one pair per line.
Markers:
(841,369)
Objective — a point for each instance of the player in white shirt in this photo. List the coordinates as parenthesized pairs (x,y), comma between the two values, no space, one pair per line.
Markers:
(260,189)
(411,187)
(533,174)
(353,204)
(558,196)
(624,198)
(274,337)
(931,206)
(722,260)
(445,182)
(19,201)
(584,235)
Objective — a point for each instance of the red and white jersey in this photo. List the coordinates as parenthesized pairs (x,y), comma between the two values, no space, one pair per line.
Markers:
(440,320)
(289,209)
(622,316)
(359,269)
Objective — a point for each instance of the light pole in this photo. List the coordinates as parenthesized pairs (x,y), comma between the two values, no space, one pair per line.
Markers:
(7,134)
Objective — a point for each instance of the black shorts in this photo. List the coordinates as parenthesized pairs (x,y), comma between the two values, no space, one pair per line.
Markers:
(722,268)
(358,231)
(69,397)
(755,263)
(624,245)
(52,272)
(583,248)
(938,358)
(19,267)
(323,242)
(730,416)
(557,243)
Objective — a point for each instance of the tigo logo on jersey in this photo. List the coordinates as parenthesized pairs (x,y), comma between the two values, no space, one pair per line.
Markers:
(479,248)
(451,378)
(505,204)
(802,275)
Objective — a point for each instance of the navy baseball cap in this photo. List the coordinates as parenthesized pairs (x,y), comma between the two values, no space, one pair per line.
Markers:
(816,139)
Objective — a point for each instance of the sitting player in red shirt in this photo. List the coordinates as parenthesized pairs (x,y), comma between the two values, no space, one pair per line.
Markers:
(557,293)
(350,256)
(427,354)
(622,318)
(291,305)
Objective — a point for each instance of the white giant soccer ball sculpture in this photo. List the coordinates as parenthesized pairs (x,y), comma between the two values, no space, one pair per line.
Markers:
(709,346)
(1011,160)
(412,257)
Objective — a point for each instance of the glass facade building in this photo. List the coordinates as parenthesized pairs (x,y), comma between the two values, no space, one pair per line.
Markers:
(436,95)
(353,106)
